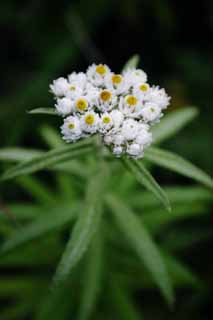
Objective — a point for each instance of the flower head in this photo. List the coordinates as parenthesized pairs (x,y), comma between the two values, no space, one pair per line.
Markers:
(120,107)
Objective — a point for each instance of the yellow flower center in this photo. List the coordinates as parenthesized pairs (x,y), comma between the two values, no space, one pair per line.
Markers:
(89,119)
(81,104)
(106,120)
(116,79)
(131,100)
(101,69)
(105,95)
(72,88)
(71,125)
(144,87)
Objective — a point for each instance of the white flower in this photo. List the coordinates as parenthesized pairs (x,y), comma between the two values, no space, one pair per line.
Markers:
(130,105)
(71,129)
(129,129)
(59,87)
(119,107)
(106,100)
(107,139)
(106,123)
(97,74)
(144,137)
(151,112)
(118,139)
(116,83)
(90,122)
(134,149)
(117,118)
(117,150)
(64,106)
(158,96)
(141,90)
(78,78)
(135,76)
(81,104)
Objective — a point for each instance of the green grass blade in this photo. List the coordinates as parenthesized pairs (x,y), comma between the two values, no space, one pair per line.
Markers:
(55,219)
(50,111)
(142,243)
(173,123)
(48,159)
(132,62)
(92,279)
(176,163)
(144,177)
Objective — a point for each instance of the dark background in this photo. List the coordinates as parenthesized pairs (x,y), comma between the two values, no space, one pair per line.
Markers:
(42,40)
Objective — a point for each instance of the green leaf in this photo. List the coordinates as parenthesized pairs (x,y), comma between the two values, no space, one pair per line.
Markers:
(144,246)
(48,159)
(51,137)
(18,154)
(145,178)
(21,154)
(92,279)
(38,190)
(83,231)
(50,111)
(132,62)
(177,195)
(55,219)
(175,163)
(80,239)
(173,123)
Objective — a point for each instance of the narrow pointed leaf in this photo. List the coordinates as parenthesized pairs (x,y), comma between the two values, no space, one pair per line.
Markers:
(18,154)
(55,219)
(48,159)
(83,231)
(142,243)
(176,163)
(50,111)
(132,62)
(92,279)
(144,177)
(173,123)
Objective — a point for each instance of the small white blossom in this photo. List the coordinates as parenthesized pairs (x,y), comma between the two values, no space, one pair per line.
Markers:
(130,129)
(117,118)
(151,112)
(106,123)
(158,96)
(97,74)
(90,122)
(64,106)
(71,129)
(135,76)
(134,149)
(59,87)
(117,150)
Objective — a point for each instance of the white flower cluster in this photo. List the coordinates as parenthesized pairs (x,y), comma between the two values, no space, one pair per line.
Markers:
(120,107)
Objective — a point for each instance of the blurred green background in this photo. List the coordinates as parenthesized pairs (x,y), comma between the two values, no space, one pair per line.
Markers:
(42,40)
